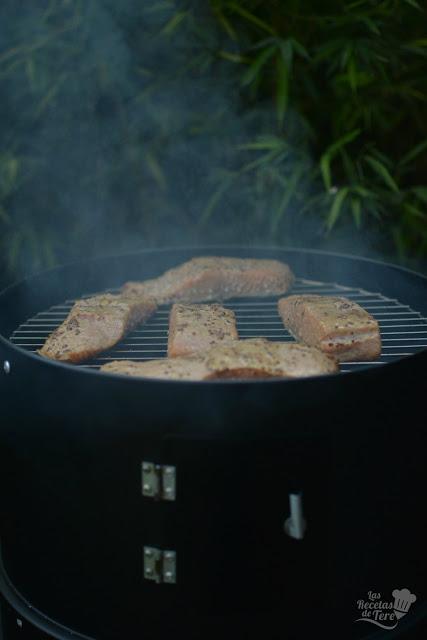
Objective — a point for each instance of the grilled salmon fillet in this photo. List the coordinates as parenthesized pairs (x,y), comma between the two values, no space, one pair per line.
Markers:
(216,278)
(94,325)
(182,368)
(255,358)
(337,326)
(197,327)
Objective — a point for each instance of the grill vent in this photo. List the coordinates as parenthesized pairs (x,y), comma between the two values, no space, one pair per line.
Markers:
(403,330)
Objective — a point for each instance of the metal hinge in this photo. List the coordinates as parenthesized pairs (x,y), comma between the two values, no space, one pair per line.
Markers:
(159,565)
(158,481)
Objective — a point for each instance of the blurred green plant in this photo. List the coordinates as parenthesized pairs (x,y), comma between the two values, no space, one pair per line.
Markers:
(356,73)
(97,144)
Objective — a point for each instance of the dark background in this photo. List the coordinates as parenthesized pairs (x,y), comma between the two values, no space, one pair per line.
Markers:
(133,124)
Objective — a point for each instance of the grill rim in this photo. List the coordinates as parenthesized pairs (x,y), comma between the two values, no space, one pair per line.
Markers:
(69,368)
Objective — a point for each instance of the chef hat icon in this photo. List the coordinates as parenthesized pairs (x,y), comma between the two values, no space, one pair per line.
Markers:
(403,599)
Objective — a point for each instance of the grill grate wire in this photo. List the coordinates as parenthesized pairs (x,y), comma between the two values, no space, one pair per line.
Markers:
(403,330)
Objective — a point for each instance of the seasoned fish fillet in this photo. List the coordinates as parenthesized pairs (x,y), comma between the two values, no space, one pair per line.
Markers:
(215,278)
(94,325)
(182,368)
(337,326)
(257,358)
(261,358)
(197,327)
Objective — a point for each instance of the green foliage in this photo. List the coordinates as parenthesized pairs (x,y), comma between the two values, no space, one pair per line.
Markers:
(307,116)
(356,73)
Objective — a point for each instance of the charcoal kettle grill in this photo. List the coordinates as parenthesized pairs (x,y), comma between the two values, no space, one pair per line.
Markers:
(137,508)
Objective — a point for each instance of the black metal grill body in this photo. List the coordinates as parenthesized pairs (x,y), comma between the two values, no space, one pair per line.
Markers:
(75,521)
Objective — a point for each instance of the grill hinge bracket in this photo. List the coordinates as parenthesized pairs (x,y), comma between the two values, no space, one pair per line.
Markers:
(158,481)
(159,565)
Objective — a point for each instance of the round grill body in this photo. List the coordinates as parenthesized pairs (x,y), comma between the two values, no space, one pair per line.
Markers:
(77,521)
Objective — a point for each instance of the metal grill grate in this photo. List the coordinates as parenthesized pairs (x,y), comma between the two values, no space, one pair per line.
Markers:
(403,330)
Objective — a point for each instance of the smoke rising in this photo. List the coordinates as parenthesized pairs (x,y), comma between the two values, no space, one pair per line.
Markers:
(127,130)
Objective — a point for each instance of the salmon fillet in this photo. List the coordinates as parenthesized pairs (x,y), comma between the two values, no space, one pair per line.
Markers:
(255,358)
(181,368)
(94,325)
(337,326)
(216,278)
(197,327)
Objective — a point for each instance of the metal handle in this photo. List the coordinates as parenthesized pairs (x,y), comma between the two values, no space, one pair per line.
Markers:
(295,525)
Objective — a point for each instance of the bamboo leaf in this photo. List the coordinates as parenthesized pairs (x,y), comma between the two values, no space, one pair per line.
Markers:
(250,17)
(49,97)
(287,196)
(414,212)
(374,208)
(330,153)
(330,50)
(382,157)
(264,160)
(372,25)
(282,89)
(233,57)
(352,74)
(419,51)
(347,52)
(14,247)
(4,216)
(159,6)
(31,73)
(12,169)
(349,165)
(354,5)
(325,168)
(228,28)
(155,170)
(215,199)
(382,172)
(34,244)
(413,153)
(252,73)
(174,23)
(49,255)
(421,193)
(413,3)
(399,241)
(356,209)
(313,204)
(363,192)
(335,210)
(270,144)
(262,44)
(300,49)
(9,168)
(286,50)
